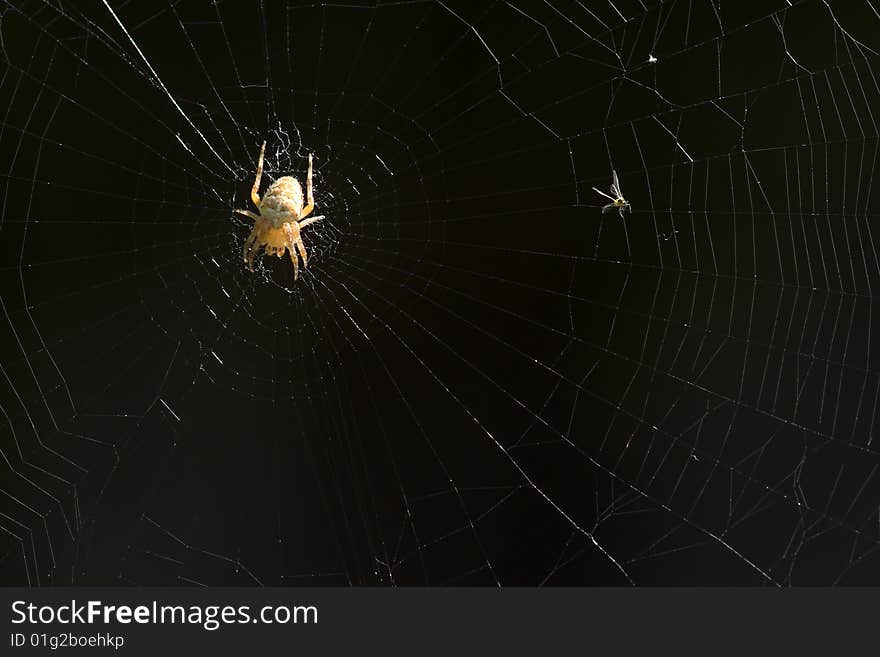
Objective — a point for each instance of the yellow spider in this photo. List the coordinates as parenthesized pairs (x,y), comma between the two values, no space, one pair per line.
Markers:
(280,217)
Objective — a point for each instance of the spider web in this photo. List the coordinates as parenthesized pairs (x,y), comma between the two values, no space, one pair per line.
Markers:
(479,378)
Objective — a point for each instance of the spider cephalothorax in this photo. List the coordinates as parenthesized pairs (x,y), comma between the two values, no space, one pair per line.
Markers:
(280,218)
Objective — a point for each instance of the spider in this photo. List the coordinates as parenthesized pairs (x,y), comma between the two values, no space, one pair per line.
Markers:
(617,201)
(280,217)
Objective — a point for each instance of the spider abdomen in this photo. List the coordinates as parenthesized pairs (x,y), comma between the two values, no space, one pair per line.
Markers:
(282,202)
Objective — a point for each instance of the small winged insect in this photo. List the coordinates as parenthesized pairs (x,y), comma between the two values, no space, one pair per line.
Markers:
(617,201)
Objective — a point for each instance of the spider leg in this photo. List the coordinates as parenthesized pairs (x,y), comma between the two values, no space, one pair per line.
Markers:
(250,246)
(249,256)
(310,200)
(247,213)
(302,252)
(608,208)
(310,220)
(255,197)
(290,242)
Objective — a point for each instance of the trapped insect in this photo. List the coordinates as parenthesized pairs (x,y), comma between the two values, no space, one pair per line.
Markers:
(617,201)
(280,218)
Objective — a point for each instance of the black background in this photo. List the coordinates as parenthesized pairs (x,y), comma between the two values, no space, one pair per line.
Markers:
(480,379)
